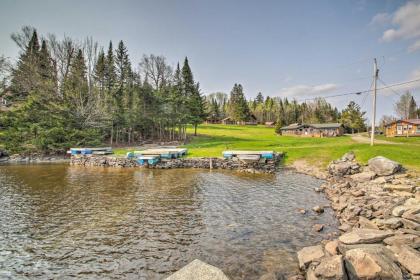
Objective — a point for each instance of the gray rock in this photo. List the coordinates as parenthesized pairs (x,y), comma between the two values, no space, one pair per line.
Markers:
(367,236)
(383,166)
(391,223)
(363,177)
(309,254)
(371,263)
(349,156)
(198,270)
(331,268)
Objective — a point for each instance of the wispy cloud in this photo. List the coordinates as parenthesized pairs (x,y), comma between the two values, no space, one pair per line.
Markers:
(406,24)
(381,19)
(307,91)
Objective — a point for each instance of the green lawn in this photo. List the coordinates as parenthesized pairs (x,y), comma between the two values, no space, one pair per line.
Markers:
(213,139)
(410,140)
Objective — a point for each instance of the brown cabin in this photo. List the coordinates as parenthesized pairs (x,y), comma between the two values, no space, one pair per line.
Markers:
(407,128)
(313,130)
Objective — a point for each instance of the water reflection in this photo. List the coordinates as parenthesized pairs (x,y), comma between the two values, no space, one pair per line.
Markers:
(61,222)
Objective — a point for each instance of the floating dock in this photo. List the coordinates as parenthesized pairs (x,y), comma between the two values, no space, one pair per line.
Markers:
(153,156)
(90,151)
(249,155)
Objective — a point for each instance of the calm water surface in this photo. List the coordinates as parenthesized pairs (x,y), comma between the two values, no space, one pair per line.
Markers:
(59,221)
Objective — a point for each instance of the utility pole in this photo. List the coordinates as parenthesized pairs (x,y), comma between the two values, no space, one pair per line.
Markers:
(375,78)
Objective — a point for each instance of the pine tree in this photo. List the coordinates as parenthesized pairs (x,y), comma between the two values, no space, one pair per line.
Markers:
(25,77)
(239,110)
(99,74)
(195,102)
(260,98)
(353,118)
(412,109)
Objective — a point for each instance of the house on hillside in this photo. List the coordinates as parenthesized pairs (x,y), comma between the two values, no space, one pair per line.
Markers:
(313,130)
(252,121)
(407,128)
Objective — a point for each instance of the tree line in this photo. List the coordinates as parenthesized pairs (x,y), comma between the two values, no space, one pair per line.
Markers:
(282,111)
(66,93)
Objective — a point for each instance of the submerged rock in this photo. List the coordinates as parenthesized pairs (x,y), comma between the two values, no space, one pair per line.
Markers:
(198,270)
(383,166)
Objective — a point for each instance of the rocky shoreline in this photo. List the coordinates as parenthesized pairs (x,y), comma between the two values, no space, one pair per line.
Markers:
(378,207)
(34,158)
(262,166)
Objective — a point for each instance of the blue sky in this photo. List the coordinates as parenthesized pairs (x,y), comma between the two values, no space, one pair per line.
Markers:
(298,49)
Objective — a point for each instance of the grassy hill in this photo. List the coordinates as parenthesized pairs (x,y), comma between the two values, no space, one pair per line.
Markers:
(213,139)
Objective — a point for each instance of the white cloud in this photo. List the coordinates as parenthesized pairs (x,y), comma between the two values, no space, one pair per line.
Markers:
(381,19)
(414,47)
(306,91)
(407,22)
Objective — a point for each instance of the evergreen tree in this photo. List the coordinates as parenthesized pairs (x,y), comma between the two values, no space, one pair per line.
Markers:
(100,74)
(239,110)
(353,118)
(412,109)
(195,102)
(25,77)
(260,98)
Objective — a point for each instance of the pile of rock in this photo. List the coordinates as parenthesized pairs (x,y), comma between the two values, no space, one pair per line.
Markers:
(262,166)
(96,160)
(379,212)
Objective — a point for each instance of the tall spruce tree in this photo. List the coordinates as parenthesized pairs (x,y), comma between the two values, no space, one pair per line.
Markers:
(195,102)
(239,110)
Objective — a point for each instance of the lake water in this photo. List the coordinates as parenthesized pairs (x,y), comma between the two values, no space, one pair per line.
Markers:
(60,221)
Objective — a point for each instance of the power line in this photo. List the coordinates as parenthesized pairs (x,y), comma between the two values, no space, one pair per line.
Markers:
(360,92)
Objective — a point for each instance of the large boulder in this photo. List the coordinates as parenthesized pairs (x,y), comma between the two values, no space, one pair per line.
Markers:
(409,258)
(309,254)
(374,262)
(365,236)
(198,270)
(331,268)
(383,166)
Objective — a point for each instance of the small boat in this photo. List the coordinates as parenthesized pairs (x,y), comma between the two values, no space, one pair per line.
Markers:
(90,151)
(263,154)
(151,159)
(249,158)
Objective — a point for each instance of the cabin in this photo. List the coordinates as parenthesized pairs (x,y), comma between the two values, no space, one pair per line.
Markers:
(313,130)
(407,128)
(213,120)
(228,120)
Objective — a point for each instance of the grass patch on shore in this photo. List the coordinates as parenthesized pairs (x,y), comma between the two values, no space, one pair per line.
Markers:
(212,140)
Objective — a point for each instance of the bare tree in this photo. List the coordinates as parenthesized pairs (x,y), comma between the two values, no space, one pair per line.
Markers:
(156,70)
(90,49)
(62,51)
(402,107)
